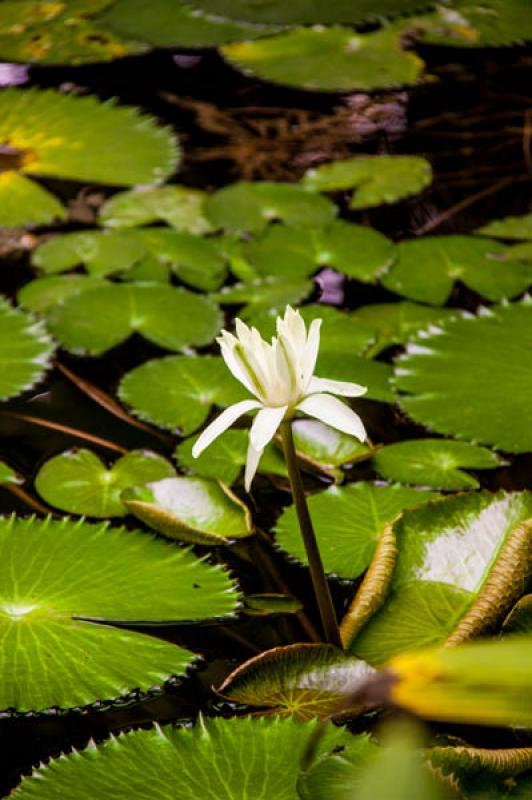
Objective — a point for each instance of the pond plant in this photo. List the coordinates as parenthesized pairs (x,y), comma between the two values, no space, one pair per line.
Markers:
(255,541)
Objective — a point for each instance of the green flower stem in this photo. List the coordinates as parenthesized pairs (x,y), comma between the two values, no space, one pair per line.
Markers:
(317,573)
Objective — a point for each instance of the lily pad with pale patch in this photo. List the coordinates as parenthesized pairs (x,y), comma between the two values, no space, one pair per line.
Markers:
(178,206)
(101,252)
(325,448)
(77,481)
(25,350)
(8,475)
(42,294)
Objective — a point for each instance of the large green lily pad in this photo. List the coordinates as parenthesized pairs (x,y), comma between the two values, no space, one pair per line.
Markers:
(78,482)
(98,319)
(397,323)
(178,392)
(338,776)
(348,522)
(448,554)
(61,579)
(42,294)
(24,202)
(376,179)
(471,378)
(25,350)
(102,252)
(479,23)
(180,207)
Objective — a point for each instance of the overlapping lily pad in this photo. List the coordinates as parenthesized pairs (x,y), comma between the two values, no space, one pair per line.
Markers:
(328,59)
(376,179)
(42,294)
(509,228)
(471,378)
(8,475)
(325,448)
(397,323)
(77,481)
(348,522)
(103,253)
(23,201)
(62,579)
(479,23)
(338,776)
(180,207)
(453,553)
(98,319)
(265,294)
(25,350)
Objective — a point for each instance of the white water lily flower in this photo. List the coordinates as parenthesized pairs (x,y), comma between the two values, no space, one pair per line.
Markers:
(280,376)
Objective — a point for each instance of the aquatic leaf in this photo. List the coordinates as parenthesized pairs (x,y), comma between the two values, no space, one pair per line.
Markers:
(8,475)
(261,605)
(61,579)
(43,294)
(427,268)
(264,756)
(150,270)
(98,319)
(328,59)
(397,323)
(250,207)
(337,777)
(178,392)
(462,562)
(193,510)
(25,350)
(376,375)
(102,252)
(326,448)
(376,179)
(180,207)
(77,481)
(470,378)
(24,202)
(479,23)
(264,294)
(509,228)
(434,462)
(348,521)
(355,250)
(300,680)
(519,620)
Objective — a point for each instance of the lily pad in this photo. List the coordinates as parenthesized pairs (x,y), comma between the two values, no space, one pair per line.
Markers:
(434,463)
(250,207)
(24,202)
(326,448)
(427,268)
(355,250)
(348,522)
(78,482)
(102,252)
(25,350)
(62,579)
(300,680)
(42,294)
(451,553)
(98,319)
(376,179)
(480,23)
(447,377)
(178,392)
(164,763)
(338,776)
(265,294)
(397,323)
(376,375)
(8,475)
(327,59)
(180,207)
(509,228)
(193,510)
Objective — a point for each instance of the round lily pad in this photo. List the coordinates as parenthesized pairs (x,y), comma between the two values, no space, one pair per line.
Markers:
(24,202)
(434,462)
(193,510)
(264,758)
(326,448)
(509,228)
(331,59)
(178,392)
(102,252)
(348,522)
(250,207)
(180,207)
(61,579)
(78,482)
(427,268)
(397,323)
(265,294)
(25,350)
(43,294)
(471,378)
(376,179)
(98,319)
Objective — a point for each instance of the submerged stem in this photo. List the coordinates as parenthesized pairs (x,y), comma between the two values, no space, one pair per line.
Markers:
(317,573)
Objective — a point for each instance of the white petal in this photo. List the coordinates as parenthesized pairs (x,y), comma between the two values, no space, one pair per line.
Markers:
(221,423)
(252,462)
(264,426)
(235,365)
(342,388)
(334,413)
(311,350)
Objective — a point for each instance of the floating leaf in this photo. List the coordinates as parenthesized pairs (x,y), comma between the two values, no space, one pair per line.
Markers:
(24,202)
(348,522)
(165,763)
(328,59)
(250,207)
(376,179)
(61,579)
(448,378)
(178,392)
(42,294)
(98,319)
(396,323)
(301,680)
(180,207)
(355,250)
(509,228)
(78,482)
(462,562)
(374,374)
(102,252)
(434,463)
(261,605)
(337,777)
(264,294)
(25,351)
(427,268)
(519,620)
(326,448)
(479,23)
(192,510)
(8,475)
(149,270)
